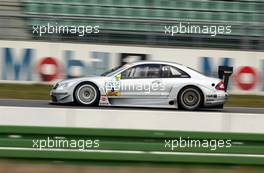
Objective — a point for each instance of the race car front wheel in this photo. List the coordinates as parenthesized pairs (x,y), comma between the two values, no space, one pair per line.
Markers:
(87,94)
(190,98)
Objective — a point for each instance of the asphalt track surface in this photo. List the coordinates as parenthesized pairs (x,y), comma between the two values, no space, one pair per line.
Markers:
(46,104)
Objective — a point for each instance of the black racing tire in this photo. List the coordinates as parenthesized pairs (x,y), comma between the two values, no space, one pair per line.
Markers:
(190,98)
(87,94)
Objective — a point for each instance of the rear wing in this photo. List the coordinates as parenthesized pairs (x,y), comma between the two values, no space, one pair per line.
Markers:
(224,72)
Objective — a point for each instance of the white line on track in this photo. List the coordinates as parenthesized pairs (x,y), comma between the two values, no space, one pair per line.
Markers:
(136,152)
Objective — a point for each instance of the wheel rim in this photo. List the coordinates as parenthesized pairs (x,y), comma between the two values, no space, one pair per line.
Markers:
(86,94)
(191,98)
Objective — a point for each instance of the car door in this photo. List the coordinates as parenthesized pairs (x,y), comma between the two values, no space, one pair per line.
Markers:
(141,81)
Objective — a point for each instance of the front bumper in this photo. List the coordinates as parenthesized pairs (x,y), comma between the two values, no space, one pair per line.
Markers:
(60,97)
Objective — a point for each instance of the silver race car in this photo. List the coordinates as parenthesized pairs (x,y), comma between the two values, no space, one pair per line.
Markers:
(146,84)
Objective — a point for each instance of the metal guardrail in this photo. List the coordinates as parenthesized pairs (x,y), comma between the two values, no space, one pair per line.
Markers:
(130,145)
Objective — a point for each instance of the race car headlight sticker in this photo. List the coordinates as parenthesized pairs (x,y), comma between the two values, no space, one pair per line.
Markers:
(62,86)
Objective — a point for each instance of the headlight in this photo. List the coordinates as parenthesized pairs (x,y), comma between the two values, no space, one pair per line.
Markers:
(62,86)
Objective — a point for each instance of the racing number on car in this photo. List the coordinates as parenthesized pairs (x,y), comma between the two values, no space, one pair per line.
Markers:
(113,86)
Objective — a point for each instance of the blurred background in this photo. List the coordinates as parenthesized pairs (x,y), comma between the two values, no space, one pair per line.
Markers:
(138,21)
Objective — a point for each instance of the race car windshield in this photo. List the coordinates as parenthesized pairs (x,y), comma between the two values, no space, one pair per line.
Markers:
(112,70)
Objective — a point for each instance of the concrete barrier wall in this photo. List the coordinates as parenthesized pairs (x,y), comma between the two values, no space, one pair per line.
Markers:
(133,119)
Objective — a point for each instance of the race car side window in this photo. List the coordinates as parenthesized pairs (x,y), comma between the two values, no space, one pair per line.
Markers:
(173,72)
(126,74)
(142,71)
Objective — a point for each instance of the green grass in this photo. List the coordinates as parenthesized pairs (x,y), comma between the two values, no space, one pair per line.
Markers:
(245,101)
(25,91)
(41,92)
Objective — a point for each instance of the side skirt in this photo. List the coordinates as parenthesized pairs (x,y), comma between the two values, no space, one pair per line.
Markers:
(135,102)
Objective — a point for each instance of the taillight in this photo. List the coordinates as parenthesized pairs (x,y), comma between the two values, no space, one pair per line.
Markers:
(220,86)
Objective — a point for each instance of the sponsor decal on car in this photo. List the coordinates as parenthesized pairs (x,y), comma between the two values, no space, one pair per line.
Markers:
(113,93)
(113,86)
(104,101)
(211,96)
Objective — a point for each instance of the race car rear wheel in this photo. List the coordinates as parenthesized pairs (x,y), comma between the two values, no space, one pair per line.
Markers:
(87,94)
(190,98)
